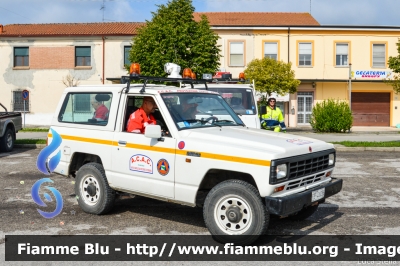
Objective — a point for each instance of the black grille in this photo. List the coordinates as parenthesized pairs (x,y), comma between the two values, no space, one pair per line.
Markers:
(303,165)
(308,167)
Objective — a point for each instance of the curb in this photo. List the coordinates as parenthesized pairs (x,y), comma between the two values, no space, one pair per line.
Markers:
(346,133)
(385,149)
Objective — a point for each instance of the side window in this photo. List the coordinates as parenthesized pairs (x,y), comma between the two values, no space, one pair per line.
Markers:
(86,108)
(305,54)
(271,50)
(236,53)
(82,56)
(342,54)
(126,55)
(379,55)
(21,56)
(133,104)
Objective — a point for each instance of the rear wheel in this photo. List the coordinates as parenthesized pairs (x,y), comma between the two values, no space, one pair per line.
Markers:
(7,141)
(94,194)
(234,213)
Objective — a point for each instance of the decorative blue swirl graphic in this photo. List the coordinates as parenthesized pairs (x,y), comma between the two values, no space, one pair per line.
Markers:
(44,166)
(36,198)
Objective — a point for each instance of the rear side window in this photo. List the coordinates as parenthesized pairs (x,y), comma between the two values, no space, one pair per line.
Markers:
(86,108)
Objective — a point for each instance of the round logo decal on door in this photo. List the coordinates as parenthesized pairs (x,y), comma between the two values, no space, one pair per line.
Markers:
(163,167)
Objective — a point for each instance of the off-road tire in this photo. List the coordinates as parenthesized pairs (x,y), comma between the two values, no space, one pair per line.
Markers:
(235,213)
(94,194)
(7,141)
(304,213)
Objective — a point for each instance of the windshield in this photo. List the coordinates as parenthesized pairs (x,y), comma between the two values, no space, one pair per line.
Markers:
(198,110)
(240,99)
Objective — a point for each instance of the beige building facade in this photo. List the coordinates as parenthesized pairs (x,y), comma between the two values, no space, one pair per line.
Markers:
(40,58)
(43,59)
(321,57)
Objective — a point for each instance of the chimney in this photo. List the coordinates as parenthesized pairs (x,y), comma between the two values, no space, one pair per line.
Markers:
(1,28)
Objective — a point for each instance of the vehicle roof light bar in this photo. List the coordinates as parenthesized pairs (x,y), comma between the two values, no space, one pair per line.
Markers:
(170,68)
(146,79)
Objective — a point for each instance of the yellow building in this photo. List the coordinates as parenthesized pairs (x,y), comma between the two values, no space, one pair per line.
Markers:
(322,58)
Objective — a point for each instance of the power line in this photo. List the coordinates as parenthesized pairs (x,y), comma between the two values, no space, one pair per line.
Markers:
(16,13)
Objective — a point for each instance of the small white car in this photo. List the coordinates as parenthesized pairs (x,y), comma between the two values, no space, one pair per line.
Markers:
(237,174)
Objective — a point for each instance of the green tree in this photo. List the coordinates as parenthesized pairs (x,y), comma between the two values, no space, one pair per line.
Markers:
(394,65)
(271,75)
(174,36)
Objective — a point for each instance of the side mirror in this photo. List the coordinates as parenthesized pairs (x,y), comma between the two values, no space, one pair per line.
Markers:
(263,109)
(152,131)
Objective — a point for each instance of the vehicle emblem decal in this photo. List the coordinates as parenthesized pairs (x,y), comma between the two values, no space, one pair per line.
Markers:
(163,167)
(141,163)
(309,149)
(299,141)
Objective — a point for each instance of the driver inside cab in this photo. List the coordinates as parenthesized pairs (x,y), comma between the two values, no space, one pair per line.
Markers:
(189,108)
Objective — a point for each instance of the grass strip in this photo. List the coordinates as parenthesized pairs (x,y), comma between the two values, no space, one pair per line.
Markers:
(31,129)
(30,141)
(369,143)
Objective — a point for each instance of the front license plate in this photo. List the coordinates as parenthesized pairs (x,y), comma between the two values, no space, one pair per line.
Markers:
(317,194)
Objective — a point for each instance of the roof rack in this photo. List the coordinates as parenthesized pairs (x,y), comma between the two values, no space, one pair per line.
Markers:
(128,79)
(218,80)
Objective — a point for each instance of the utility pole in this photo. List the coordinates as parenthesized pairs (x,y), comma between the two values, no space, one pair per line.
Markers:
(310,7)
(103,7)
(350,86)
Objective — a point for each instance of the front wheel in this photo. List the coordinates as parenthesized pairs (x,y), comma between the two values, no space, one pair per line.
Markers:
(234,213)
(94,194)
(7,141)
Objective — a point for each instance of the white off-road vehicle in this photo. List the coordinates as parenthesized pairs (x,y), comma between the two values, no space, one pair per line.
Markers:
(238,175)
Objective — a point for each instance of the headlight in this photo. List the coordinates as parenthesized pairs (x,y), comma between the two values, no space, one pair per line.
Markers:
(331,159)
(281,171)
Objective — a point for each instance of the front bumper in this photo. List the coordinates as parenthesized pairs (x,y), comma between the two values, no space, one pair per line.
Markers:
(287,205)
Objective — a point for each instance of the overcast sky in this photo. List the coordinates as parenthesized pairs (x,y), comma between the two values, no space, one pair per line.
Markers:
(326,12)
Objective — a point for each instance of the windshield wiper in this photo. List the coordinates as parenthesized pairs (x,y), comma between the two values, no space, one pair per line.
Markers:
(224,121)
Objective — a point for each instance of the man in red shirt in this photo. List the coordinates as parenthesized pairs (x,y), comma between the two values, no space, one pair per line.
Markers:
(101,111)
(142,117)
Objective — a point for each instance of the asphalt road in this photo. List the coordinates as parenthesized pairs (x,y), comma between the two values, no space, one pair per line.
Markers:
(368,204)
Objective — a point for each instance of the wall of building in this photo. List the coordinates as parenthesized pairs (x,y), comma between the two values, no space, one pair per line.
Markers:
(323,69)
(51,61)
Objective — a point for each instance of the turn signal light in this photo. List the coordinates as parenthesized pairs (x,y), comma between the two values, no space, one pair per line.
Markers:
(277,189)
(187,73)
(135,69)
(328,174)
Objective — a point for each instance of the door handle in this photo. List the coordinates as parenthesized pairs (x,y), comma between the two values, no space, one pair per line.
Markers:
(121,143)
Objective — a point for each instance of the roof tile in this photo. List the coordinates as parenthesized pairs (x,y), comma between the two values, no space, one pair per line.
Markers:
(72,29)
(130,28)
(258,18)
